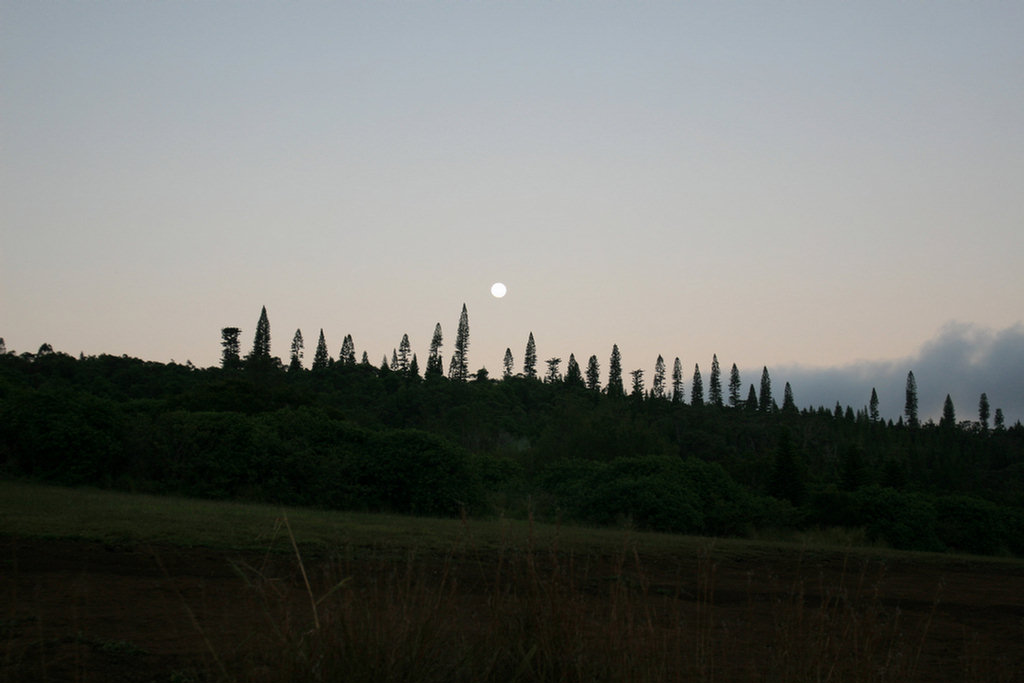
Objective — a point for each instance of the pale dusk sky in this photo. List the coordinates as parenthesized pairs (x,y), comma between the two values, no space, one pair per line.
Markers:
(832,190)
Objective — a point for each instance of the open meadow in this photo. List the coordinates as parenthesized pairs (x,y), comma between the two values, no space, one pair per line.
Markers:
(102,586)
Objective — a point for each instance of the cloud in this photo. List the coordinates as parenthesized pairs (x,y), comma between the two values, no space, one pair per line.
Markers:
(962,360)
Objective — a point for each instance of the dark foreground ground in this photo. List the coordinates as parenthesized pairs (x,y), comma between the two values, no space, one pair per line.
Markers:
(85,611)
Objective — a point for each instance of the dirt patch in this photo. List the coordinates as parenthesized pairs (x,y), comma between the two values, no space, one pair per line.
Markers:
(84,611)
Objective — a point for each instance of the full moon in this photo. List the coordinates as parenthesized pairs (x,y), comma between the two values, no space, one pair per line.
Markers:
(498,290)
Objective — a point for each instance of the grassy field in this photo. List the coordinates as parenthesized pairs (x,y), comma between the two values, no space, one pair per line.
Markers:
(113,586)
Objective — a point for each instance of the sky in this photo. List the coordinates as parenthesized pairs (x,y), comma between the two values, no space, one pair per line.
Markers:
(830,190)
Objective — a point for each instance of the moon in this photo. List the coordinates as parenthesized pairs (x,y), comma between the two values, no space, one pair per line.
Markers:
(498,290)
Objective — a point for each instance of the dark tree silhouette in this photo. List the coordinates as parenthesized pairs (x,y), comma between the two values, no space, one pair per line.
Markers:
(573,376)
(873,406)
(530,359)
(734,386)
(348,351)
(983,412)
(658,383)
(615,373)
(435,366)
(230,358)
(638,384)
(751,403)
(459,368)
(948,419)
(296,356)
(414,368)
(677,382)
(697,387)
(997,420)
(764,403)
(788,404)
(321,359)
(715,383)
(553,375)
(404,352)
(593,374)
(910,407)
(507,364)
(260,355)
(786,481)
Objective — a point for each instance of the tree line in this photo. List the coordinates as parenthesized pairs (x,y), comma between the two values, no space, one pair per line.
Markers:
(352,434)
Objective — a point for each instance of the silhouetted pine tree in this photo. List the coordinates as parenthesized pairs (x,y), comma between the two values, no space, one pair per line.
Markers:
(593,374)
(403,354)
(615,373)
(983,412)
(715,383)
(997,420)
(394,360)
(459,368)
(788,404)
(637,392)
(734,386)
(764,403)
(948,419)
(230,358)
(507,364)
(573,376)
(697,387)
(348,351)
(260,356)
(751,403)
(296,357)
(553,375)
(321,359)
(873,406)
(435,366)
(678,395)
(658,383)
(910,407)
(530,359)
(414,368)
(365,360)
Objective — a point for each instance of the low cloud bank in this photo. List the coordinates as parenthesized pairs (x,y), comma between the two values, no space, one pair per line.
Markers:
(962,360)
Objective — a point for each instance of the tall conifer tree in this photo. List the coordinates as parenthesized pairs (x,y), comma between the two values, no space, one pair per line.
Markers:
(765,401)
(573,376)
(348,351)
(404,352)
(260,355)
(983,412)
(677,382)
(910,406)
(697,387)
(658,383)
(530,359)
(435,366)
(507,364)
(297,347)
(715,383)
(873,406)
(948,419)
(593,374)
(788,404)
(553,375)
(321,359)
(615,372)
(459,368)
(638,384)
(734,386)
(230,358)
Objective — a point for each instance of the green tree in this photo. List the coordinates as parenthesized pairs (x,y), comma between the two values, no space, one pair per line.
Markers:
(697,387)
(764,403)
(677,382)
(296,358)
(553,375)
(983,412)
(230,358)
(715,383)
(873,406)
(615,373)
(734,386)
(658,383)
(573,376)
(530,359)
(348,351)
(260,355)
(321,359)
(507,364)
(435,366)
(948,419)
(458,370)
(910,406)
(414,368)
(593,374)
(751,403)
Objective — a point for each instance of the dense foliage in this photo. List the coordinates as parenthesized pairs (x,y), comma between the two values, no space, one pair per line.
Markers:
(353,436)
